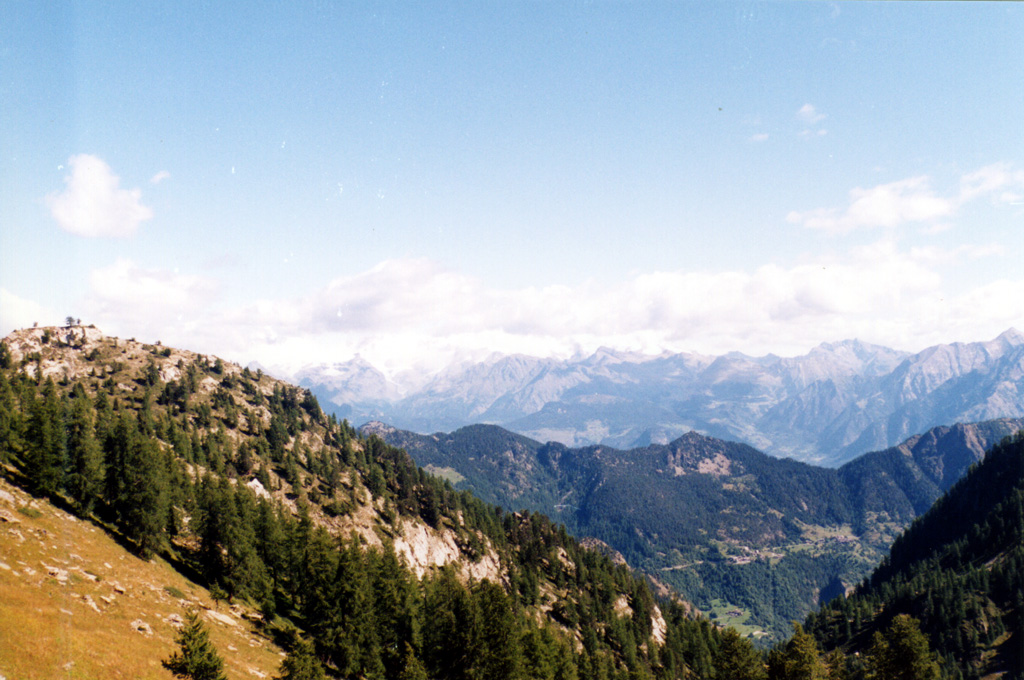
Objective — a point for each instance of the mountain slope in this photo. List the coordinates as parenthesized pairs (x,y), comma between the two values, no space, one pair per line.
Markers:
(959,569)
(715,519)
(918,471)
(74,603)
(242,483)
(827,406)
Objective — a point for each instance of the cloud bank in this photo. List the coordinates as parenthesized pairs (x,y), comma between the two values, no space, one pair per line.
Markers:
(416,314)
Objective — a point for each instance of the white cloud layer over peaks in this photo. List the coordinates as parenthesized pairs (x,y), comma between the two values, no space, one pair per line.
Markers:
(406,314)
(414,316)
(912,200)
(92,202)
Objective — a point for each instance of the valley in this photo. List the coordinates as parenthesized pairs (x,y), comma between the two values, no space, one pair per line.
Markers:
(511,340)
(718,521)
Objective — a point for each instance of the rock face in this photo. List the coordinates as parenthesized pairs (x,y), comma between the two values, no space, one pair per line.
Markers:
(424,547)
(827,406)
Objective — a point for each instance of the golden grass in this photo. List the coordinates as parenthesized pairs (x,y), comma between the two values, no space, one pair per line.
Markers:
(49,629)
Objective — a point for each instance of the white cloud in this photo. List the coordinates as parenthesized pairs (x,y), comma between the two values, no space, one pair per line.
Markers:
(945,256)
(998,180)
(17,312)
(911,200)
(810,115)
(759,137)
(414,314)
(125,298)
(159,177)
(92,202)
(886,205)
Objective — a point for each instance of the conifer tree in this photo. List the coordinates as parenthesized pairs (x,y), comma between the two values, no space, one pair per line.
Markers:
(10,418)
(799,659)
(136,485)
(451,641)
(6,360)
(301,663)
(902,653)
(835,665)
(85,474)
(737,659)
(395,611)
(47,442)
(413,668)
(500,652)
(196,658)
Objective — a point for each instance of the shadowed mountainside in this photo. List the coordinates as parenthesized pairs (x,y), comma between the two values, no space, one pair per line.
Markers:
(717,520)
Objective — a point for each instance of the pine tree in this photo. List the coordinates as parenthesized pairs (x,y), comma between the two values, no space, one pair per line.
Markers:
(835,665)
(501,656)
(737,659)
(301,663)
(395,608)
(197,658)
(145,501)
(10,417)
(902,653)
(451,641)
(799,659)
(85,474)
(413,668)
(47,442)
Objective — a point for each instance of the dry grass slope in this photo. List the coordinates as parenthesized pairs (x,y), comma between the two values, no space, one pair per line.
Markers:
(74,604)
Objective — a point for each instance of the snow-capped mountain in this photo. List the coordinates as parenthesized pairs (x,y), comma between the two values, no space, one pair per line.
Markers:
(835,402)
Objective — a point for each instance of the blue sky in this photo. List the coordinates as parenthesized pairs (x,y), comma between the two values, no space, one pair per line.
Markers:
(300,182)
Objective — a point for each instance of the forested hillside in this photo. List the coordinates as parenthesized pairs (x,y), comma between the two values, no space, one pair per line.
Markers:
(754,540)
(959,569)
(353,555)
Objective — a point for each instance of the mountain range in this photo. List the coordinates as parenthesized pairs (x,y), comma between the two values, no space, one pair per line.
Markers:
(729,527)
(826,407)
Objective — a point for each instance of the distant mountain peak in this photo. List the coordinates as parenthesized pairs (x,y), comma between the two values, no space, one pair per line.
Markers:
(1011,336)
